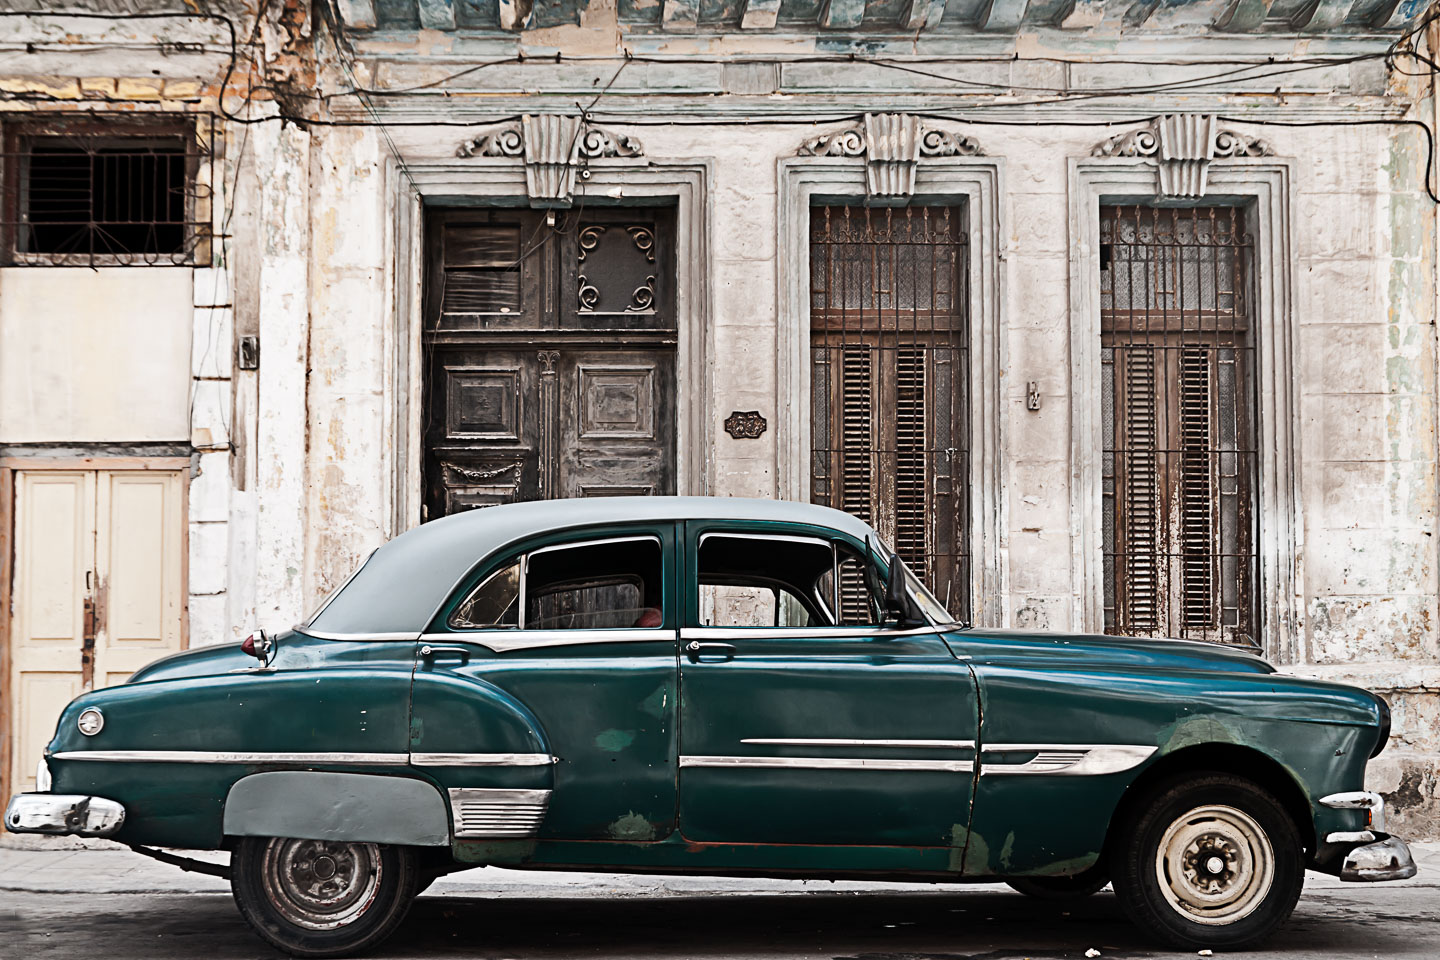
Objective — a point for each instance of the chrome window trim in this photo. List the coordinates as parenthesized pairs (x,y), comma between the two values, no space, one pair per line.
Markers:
(843,742)
(751,633)
(576,544)
(830,763)
(1067,759)
(481,759)
(365,759)
(323,635)
(787,537)
(505,640)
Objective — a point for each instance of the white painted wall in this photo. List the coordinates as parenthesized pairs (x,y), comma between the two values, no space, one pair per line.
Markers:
(95,355)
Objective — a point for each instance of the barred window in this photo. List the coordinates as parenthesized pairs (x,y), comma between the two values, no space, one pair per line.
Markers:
(889,375)
(95,192)
(1181,464)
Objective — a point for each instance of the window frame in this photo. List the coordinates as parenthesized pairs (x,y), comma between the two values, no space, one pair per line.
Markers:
(514,637)
(695,534)
(17,138)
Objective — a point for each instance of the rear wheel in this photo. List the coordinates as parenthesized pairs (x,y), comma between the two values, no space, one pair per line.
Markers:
(320,898)
(1208,861)
(1078,887)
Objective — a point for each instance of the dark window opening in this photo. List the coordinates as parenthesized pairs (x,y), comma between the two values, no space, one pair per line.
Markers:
(87,193)
(757,581)
(1181,460)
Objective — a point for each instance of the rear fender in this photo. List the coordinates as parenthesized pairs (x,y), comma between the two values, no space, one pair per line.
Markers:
(311,805)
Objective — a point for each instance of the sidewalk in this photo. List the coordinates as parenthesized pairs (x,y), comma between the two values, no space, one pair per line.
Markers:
(121,871)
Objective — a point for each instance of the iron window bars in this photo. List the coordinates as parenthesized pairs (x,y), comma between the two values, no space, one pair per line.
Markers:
(1181,464)
(106,191)
(889,348)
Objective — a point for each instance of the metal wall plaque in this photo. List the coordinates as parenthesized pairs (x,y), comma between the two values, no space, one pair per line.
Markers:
(745,424)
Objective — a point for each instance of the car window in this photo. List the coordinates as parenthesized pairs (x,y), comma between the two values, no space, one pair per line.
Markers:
(607,584)
(760,580)
(495,603)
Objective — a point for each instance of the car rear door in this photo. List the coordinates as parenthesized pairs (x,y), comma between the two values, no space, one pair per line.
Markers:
(799,732)
(590,667)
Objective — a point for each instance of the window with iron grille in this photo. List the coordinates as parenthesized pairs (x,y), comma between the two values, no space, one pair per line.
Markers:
(1181,464)
(889,347)
(95,192)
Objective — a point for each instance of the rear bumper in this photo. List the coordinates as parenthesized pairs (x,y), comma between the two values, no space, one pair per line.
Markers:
(1372,855)
(64,814)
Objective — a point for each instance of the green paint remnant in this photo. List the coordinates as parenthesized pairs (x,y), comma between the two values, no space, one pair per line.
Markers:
(1193,731)
(632,826)
(1007,848)
(657,703)
(417,731)
(977,857)
(614,740)
(959,836)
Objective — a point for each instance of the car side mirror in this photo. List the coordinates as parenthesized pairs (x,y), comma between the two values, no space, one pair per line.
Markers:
(897,598)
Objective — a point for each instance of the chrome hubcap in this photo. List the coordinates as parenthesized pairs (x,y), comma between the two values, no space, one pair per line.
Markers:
(1215,864)
(319,885)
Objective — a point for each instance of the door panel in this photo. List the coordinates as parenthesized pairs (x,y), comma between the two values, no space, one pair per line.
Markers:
(99,550)
(550,356)
(606,709)
(138,567)
(822,735)
(54,549)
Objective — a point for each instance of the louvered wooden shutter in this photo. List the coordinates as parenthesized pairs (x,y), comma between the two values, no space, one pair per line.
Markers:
(1140,485)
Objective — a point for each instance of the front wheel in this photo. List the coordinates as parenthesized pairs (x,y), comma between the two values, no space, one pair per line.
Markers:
(1209,861)
(321,898)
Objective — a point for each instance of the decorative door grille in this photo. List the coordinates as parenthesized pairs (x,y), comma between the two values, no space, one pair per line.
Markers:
(889,338)
(1181,466)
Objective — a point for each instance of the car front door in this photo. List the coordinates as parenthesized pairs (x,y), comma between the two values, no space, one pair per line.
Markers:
(805,719)
(572,635)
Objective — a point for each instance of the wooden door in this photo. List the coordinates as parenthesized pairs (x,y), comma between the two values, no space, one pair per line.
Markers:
(550,356)
(97,591)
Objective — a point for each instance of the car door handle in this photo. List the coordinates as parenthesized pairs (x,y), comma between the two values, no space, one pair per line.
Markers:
(430,653)
(696,650)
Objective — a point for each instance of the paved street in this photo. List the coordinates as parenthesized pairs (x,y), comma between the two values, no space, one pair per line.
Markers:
(115,904)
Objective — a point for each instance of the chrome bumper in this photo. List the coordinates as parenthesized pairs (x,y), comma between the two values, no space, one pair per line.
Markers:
(1379,857)
(67,814)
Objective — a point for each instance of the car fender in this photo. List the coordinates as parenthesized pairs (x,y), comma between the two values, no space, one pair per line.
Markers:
(358,807)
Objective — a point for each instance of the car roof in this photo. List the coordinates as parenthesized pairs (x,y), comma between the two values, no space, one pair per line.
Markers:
(401,586)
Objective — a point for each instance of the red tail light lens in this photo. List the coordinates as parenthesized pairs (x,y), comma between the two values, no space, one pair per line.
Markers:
(248,646)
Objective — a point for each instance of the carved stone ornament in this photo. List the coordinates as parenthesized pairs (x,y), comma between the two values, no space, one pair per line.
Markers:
(1182,146)
(892,145)
(745,424)
(554,147)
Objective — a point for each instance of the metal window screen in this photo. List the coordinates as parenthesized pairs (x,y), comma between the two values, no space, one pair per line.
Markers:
(889,386)
(97,193)
(1181,466)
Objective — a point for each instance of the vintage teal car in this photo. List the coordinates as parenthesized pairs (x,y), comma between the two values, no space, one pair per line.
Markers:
(713,686)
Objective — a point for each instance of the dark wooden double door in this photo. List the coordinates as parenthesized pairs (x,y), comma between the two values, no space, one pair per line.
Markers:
(549,356)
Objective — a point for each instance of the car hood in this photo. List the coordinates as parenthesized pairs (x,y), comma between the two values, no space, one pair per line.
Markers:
(1098,648)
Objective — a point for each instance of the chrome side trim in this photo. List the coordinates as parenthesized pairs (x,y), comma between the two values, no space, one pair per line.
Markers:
(836,742)
(1067,759)
(323,635)
(368,759)
(503,641)
(839,633)
(485,812)
(831,763)
(481,759)
(207,756)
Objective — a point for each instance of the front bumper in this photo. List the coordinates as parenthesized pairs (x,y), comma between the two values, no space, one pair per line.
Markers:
(1375,856)
(64,814)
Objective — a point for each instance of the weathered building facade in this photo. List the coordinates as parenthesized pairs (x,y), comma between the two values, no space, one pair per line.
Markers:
(1110,315)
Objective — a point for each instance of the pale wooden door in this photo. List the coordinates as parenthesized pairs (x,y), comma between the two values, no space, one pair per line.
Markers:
(98,591)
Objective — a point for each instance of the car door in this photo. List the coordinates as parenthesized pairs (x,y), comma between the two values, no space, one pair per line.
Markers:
(575,636)
(804,718)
